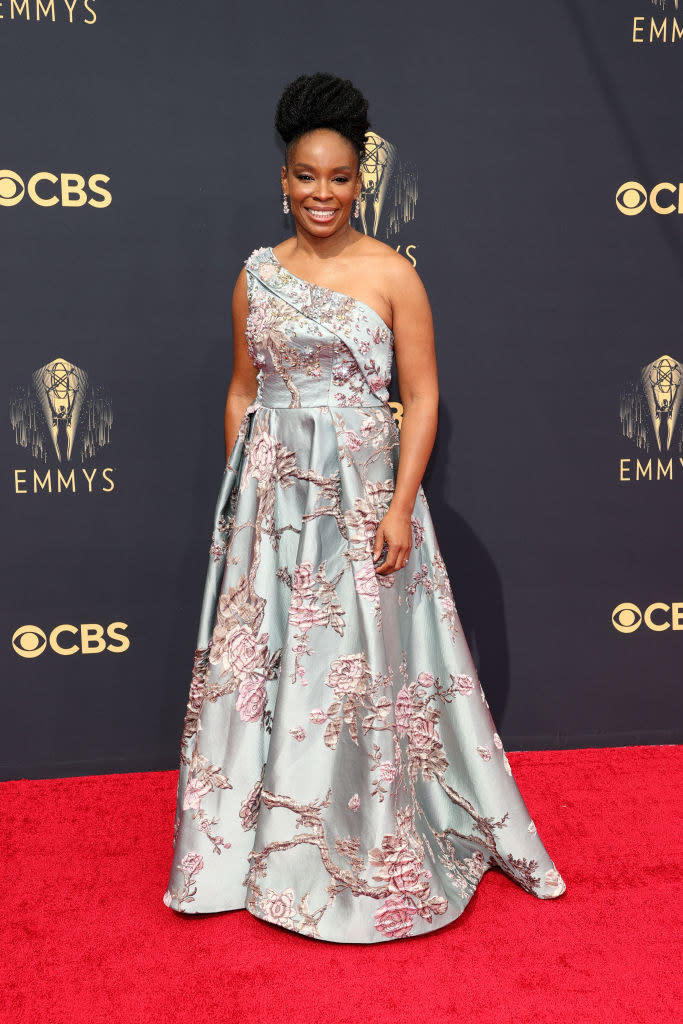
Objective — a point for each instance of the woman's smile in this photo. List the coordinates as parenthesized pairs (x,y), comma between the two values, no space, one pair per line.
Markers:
(320,214)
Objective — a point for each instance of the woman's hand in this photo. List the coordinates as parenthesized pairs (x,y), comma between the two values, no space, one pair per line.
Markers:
(395,530)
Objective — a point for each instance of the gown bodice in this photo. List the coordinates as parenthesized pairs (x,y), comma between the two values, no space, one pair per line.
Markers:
(313,346)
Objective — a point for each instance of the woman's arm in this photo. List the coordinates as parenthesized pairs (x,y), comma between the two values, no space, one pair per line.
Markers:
(419,390)
(244,380)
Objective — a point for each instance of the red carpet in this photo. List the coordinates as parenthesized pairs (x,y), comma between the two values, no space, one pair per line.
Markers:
(86,938)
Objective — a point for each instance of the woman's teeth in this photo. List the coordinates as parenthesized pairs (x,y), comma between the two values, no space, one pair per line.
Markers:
(321,215)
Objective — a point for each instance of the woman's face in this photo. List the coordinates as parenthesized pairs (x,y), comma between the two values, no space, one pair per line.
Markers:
(322,181)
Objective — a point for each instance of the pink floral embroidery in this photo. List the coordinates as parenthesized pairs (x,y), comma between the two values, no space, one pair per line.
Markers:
(237,649)
(262,457)
(423,731)
(464,685)
(249,808)
(305,610)
(402,710)
(195,789)
(426,680)
(193,862)
(348,674)
(395,918)
(278,907)
(251,700)
(352,441)
(366,581)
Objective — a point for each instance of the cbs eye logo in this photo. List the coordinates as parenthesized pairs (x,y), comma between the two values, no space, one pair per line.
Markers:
(627,617)
(88,638)
(66,189)
(632,198)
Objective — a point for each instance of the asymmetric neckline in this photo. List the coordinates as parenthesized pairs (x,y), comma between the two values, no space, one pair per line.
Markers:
(332,291)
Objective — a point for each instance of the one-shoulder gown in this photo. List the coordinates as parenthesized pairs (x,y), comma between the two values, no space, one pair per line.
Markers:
(340,771)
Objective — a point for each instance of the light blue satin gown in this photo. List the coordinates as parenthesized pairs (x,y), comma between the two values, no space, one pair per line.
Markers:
(340,772)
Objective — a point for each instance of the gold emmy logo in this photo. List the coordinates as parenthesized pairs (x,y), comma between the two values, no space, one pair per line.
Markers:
(72,190)
(72,11)
(658,617)
(664,198)
(398,413)
(87,638)
(666,30)
(389,190)
(63,417)
(650,417)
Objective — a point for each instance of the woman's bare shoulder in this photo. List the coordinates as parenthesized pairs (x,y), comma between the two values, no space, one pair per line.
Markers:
(393,267)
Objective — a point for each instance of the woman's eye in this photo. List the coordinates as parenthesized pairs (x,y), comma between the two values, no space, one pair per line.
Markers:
(309,177)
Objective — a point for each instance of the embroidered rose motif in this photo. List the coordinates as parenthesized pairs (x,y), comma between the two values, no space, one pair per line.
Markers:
(484,752)
(387,771)
(395,918)
(423,731)
(192,862)
(351,440)
(305,610)
(318,716)
(251,699)
(262,456)
(438,904)
(348,674)
(354,802)
(366,581)
(464,685)
(426,680)
(278,907)
(406,875)
(195,789)
(299,733)
(238,650)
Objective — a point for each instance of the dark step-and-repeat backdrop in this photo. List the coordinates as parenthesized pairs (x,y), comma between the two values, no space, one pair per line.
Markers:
(526,157)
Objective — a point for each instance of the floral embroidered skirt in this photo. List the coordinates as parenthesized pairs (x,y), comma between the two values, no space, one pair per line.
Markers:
(340,771)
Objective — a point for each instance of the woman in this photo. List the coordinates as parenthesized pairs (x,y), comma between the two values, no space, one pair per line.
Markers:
(340,772)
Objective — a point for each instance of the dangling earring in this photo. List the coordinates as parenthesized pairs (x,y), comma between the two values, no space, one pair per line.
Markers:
(285,203)
(356,208)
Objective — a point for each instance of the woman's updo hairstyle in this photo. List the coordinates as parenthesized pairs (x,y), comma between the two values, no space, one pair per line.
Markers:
(322,101)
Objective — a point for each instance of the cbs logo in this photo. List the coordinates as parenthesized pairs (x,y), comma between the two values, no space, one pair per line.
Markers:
(632,198)
(627,617)
(88,638)
(47,189)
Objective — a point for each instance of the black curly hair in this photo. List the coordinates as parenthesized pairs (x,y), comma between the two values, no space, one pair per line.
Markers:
(322,101)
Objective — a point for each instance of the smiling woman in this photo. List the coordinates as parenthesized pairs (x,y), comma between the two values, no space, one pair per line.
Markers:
(338,750)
